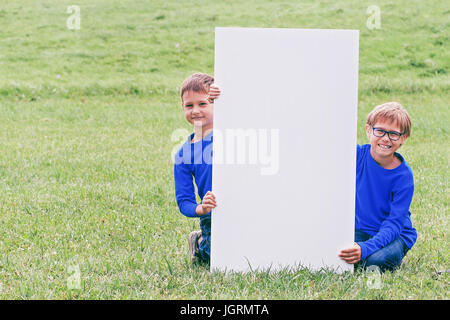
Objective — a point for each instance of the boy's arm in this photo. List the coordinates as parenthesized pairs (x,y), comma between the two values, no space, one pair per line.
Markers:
(353,254)
(393,225)
(184,190)
(185,194)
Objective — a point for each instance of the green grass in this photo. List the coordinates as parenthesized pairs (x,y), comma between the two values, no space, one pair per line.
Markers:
(86,119)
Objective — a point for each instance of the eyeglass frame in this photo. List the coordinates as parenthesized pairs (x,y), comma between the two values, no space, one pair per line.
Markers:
(388,133)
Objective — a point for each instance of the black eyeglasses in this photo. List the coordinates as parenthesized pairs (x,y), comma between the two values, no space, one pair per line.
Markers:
(393,135)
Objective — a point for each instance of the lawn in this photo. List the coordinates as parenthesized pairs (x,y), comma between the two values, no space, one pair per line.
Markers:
(87,203)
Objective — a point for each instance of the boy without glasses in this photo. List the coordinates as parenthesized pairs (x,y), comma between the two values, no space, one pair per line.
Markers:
(191,161)
(384,191)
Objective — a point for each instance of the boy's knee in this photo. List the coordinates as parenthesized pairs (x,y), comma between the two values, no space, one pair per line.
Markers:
(384,261)
(205,247)
(389,257)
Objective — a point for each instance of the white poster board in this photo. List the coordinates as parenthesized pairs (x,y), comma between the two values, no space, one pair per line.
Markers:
(284,152)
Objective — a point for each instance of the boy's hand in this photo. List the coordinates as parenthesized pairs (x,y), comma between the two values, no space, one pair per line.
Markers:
(208,203)
(214,93)
(351,255)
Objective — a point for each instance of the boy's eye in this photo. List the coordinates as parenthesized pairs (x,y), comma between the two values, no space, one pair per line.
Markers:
(188,105)
(203,104)
(394,134)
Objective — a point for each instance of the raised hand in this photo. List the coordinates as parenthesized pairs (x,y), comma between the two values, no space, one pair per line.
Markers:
(214,93)
(208,203)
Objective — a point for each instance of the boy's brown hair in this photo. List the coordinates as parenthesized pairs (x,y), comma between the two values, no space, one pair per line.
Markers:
(198,82)
(391,111)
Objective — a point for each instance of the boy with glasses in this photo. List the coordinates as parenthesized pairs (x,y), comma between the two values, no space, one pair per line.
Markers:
(384,191)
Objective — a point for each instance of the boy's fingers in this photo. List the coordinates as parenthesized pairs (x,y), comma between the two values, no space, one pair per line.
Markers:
(210,194)
(350,250)
(350,257)
(347,254)
(214,93)
(209,200)
(351,261)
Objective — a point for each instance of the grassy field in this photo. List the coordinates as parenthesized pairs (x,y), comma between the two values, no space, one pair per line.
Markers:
(86,116)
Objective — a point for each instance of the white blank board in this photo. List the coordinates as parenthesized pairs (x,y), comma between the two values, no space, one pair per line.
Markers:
(284,151)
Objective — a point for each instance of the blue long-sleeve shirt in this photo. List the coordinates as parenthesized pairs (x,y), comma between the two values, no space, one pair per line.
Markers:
(383,198)
(193,162)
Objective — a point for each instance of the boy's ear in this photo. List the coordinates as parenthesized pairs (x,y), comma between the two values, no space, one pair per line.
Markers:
(368,130)
(403,139)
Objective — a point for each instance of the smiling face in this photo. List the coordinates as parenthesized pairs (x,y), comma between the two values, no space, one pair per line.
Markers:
(382,148)
(197,109)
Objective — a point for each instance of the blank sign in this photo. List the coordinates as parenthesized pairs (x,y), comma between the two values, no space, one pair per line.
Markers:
(284,151)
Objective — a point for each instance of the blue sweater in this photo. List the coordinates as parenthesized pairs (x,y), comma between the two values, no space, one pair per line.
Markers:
(193,160)
(383,198)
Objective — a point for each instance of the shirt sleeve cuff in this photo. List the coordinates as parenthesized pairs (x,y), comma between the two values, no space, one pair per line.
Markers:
(189,210)
(363,250)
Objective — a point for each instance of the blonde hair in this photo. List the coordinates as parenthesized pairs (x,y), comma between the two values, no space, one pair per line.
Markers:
(394,112)
(198,82)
